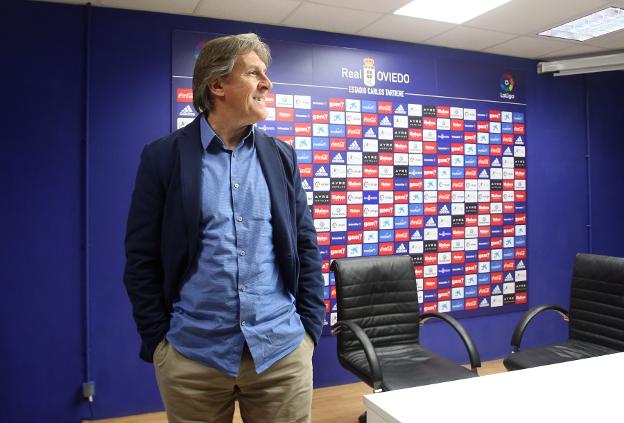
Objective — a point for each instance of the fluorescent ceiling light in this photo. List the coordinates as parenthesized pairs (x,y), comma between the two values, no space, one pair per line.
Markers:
(453,11)
(600,23)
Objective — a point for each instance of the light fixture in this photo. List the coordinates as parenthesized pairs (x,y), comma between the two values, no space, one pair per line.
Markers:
(452,11)
(591,64)
(599,23)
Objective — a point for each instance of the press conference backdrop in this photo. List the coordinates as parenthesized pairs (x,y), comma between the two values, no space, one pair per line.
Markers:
(393,164)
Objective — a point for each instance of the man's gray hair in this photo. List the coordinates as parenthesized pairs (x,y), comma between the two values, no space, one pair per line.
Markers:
(216,60)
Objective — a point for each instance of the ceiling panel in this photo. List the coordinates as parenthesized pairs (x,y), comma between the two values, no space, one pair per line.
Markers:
(576,50)
(470,38)
(327,18)
(529,47)
(532,16)
(403,28)
(179,7)
(385,6)
(260,11)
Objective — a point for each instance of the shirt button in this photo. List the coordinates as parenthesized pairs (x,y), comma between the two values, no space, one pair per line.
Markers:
(241,288)
(239,218)
(242,252)
(243,323)
(236,186)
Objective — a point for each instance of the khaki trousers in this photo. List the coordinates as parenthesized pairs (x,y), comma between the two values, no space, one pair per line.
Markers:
(195,393)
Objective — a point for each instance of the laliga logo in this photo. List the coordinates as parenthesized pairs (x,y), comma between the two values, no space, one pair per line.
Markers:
(507,86)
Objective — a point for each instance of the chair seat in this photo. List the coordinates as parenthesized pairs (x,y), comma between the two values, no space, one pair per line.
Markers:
(569,350)
(406,366)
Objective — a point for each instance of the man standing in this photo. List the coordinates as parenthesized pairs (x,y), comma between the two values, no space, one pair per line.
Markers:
(223,268)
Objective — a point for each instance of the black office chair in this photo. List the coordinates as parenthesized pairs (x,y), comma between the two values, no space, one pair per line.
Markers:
(596,317)
(378,326)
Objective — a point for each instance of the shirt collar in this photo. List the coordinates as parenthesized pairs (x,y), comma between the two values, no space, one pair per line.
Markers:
(207,134)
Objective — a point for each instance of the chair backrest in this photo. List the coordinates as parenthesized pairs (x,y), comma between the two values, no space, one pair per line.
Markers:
(380,295)
(597,302)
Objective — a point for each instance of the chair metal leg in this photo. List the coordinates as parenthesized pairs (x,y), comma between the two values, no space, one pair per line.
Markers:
(362,418)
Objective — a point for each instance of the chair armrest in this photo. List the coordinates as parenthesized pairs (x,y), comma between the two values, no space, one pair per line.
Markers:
(473,353)
(369,350)
(518,332)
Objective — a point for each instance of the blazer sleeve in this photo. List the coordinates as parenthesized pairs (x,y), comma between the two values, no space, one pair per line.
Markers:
(310,304)
(143,274)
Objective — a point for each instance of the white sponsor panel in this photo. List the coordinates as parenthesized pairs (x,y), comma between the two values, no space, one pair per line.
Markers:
(414,109)
(284,100)
(322,225)
(355,197)
(303,143)
(303,102)
(415,147)
(370,145)
(385,133)
(371,210)
(338,171)
(400,121)
(354,118)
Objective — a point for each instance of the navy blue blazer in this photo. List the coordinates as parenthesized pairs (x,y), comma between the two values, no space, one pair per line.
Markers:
(162,234)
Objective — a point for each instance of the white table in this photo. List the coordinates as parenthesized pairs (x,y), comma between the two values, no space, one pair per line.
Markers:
(589,390)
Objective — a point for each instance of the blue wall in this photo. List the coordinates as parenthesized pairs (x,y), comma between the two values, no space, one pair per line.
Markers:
(43,315)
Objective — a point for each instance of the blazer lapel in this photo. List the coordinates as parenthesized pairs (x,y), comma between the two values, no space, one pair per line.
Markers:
(190,173)
(272,168)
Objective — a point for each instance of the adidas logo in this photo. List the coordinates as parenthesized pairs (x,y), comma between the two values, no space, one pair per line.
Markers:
(520,265)
(507,152)
(187,111)
(399,110)
(483,174)
(496,290)
(509,278)
(519,140)
(444,210)
(401,249)
(431,222)
(354,145)
(338,158)
(484,303)
(496,162)
(321,172)
(306,185)
(417,236)
(385,121)
(370,133)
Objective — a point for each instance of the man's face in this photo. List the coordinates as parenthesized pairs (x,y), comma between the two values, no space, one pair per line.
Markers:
(244,90)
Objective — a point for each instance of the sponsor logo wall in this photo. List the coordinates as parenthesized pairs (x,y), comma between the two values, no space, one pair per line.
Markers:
(389,167)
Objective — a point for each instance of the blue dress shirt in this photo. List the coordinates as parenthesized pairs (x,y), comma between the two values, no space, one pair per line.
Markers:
(234,293)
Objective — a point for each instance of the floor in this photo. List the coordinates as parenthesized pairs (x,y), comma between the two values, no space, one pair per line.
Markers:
(341,403)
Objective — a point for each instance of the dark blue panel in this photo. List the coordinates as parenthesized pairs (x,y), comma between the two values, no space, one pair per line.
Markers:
(40,252)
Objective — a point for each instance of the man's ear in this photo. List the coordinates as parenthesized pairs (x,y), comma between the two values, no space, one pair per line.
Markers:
(216,87)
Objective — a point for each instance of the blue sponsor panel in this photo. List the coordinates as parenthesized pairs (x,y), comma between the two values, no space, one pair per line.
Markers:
(507,128)
(371,197)
(518,117)
(484,243)
(430,159)
(303,116)
(444,271)
(415,172)
(470,161)
(457,305)
(326,292)
(445,233)
(471,291)
(496,139)
(520,241)
(496,266)
(509,253)
(416,209)
(320,143)
(470,125)
(483,279)
(337,131)
(284,128)
(471,256)
(483,150)
(354,145)
(355,223)
(386,235)
(401,222)
(338,238)
(401,248)
(324,250)
(457,269)
(369,106)
(457,172)
(444,281)
(304,156)
(370,250)
(401,184)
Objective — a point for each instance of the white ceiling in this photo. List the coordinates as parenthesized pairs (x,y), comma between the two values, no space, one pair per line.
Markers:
(509,29)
